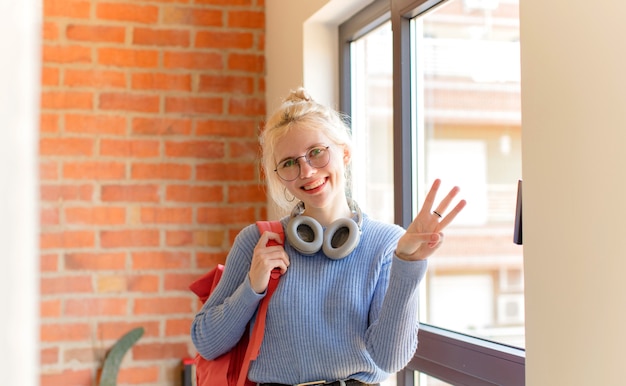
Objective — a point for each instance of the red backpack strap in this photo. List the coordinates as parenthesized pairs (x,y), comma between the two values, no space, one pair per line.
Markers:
(256,338)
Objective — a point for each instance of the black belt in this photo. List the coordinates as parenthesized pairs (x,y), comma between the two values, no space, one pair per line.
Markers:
(349,382)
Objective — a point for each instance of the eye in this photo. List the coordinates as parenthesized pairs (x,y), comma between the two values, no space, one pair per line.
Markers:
(288,163)
(316,152)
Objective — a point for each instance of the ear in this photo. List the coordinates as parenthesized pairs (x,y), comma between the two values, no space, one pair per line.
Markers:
(347,154)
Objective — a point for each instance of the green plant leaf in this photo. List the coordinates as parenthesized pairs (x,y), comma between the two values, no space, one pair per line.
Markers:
(115,355)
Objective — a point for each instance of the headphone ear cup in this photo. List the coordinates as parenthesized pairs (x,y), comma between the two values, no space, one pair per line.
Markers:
(340,238)
(304,234)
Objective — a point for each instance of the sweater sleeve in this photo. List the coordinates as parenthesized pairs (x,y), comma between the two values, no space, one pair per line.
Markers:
(222,321)
(392,336)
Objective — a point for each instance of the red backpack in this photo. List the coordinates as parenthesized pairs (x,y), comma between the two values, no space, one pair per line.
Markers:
(231,368)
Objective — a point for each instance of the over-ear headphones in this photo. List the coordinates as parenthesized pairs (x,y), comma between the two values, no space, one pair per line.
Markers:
(306,235)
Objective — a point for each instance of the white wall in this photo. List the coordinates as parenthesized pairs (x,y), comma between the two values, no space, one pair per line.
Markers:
(20,30)
(574,161)
(574,157)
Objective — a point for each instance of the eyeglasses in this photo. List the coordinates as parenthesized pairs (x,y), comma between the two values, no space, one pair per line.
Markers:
(316,157)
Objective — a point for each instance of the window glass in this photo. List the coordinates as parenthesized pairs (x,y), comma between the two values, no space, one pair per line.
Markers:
(467,132)
(467,125)
(372,123)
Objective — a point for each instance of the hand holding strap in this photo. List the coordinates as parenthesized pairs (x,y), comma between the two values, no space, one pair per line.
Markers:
(256,338)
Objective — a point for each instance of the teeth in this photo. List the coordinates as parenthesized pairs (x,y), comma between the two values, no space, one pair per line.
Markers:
(314,185)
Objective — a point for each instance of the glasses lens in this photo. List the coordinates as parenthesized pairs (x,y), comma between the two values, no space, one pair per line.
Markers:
(288,170)
(318,157)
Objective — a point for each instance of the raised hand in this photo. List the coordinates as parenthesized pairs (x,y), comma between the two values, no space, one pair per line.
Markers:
(424,235)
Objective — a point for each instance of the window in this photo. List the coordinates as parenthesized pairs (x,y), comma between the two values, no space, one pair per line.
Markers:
(438,96)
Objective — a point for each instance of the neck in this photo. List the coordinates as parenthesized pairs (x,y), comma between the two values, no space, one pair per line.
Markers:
(330,213)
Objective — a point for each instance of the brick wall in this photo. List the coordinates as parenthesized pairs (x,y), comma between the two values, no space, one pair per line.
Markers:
(149,115)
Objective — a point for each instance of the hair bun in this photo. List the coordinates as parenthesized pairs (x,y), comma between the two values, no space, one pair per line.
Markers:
(299,95)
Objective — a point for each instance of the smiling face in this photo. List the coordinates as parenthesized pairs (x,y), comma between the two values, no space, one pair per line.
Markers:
(321,189)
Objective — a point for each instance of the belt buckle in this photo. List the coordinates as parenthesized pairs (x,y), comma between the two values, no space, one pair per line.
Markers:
(314,383)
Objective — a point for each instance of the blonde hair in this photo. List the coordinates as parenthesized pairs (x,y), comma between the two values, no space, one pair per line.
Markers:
(298,108)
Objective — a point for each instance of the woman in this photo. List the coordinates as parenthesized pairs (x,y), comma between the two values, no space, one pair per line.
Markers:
(347,303)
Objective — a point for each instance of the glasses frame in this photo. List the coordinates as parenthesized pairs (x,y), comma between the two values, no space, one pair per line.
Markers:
(306,159)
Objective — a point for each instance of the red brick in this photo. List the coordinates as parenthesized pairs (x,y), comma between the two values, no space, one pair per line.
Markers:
(246,19)
(115,330)
(160,81)
(247,62)
(49,76)
(94,78)
(49,216)
(67,8)
(221,171)
(247,194)
(63,100)
(95,124)
(50,31)
(129,238)
(55,193)
(238,128)
(66,54)
(143,283)
(95,215)
(48,123)
(130,193)
(161,126)
(193,105)
(129,102)
(67,240)
(182,193)
(160,215)
(151,260)
(226,84)
(193,60)
(245,150)
(129,148)
(94,170)
(127,12)
(66,146)
(49,356)
(225,2)
(193,17)
(49,262)
(72,377)
(50,308)
(58,332)
(95,261)
(48,171)
(161,37)
(95,33)
(178,281)
(224,40)
(160,171)
(226,215)
(178,327)
(246,106)
(123,57)
(195,149)
(84,307)
(142,375)
(66,285)
(162,306)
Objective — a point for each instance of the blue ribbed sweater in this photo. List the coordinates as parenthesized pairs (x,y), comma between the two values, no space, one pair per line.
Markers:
(354,318)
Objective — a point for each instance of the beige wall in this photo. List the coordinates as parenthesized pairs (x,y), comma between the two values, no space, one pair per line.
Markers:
(574,154)
(574,151)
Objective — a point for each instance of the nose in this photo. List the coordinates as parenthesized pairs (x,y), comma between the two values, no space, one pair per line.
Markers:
(306,170)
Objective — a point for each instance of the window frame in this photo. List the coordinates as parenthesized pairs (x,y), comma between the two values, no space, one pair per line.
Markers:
(446,355)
